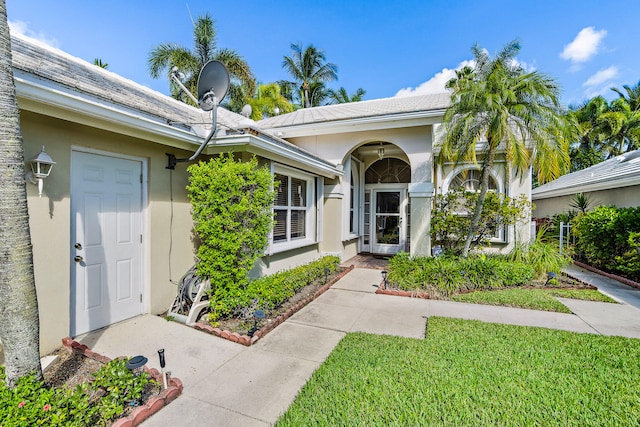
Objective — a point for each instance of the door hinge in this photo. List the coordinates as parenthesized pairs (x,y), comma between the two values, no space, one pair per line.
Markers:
(141,238)
(140,178)
(140,297)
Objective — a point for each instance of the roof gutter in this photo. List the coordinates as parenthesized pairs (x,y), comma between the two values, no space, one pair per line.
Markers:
(264,146)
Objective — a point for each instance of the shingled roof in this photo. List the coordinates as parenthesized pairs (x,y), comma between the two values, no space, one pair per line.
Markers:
(357,110)
(53,65)
(619,171)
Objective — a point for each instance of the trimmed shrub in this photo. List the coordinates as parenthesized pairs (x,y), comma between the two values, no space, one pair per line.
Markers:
(270,292)
(448,275)
(607,238)
(231,208)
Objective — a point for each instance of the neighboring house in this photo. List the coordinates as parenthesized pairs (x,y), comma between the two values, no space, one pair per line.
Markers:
(613,182)
(112,232)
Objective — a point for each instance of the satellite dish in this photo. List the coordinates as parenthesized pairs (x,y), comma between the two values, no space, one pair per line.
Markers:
(246,110)
(213,82)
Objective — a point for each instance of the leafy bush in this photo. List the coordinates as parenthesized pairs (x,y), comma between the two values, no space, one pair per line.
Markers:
(541,255)
(451,217)
(269,292)
(31,402)
(231,207)
(607,238)
(448,275)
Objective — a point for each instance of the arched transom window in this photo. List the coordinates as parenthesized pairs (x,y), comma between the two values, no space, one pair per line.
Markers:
(469,180)
(388,171)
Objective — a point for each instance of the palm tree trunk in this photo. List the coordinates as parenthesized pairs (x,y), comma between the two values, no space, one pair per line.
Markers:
(19,322)
(484,187)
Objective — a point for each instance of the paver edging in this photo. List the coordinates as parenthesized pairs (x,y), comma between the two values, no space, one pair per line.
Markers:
(621,279)
(247,340)
(401,293)
(153,405)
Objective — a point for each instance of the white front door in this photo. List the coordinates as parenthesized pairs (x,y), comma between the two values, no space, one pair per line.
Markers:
(389,224)
(106,241)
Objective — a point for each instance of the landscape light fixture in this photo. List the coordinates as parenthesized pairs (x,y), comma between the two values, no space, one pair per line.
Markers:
(257,316)
(550,276)
(136,363)
(384,278)
(162,365)
(41,166)
(326,274)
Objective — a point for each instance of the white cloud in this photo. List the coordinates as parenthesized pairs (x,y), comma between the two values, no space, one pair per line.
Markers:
(435,84)
(21,27)
(584,46)
(600,82)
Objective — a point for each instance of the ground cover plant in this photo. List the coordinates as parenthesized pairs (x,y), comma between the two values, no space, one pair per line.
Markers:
(469,373)
(111,391)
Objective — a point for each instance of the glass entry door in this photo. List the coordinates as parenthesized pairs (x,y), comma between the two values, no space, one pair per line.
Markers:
(388,227)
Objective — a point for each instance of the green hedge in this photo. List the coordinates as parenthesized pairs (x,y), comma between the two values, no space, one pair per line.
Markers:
(448,275)
(269,292)
(607,238)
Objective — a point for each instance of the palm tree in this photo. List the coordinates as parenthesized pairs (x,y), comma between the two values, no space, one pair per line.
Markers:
(622,124)
(19,327)
(632,95)
(500,106)
(269,102)
(591,146)
(309,71)
(98,62)
(341,96)
(168,55)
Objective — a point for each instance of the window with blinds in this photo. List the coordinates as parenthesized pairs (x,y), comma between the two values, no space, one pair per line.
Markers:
(290,208)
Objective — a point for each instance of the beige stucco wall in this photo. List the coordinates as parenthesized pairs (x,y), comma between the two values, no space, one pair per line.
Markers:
(415,147)
(50,219)
(622,197)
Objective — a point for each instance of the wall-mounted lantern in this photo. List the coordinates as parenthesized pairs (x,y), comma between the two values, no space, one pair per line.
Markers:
(41,166)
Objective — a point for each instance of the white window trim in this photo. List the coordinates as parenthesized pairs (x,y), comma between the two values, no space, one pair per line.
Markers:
(311,236)
(353,164)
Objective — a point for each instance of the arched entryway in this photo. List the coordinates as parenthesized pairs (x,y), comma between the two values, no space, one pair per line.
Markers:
(386,206)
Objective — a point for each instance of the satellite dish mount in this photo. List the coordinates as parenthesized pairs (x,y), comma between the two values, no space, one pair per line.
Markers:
(213,85)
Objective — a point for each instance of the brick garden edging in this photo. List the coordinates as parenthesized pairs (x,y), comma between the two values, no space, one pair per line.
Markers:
(247,340)
(153,405)
(400,293)
(621,279)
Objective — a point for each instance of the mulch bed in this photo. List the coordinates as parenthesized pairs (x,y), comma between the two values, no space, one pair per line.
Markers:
(76,363)
(237,331)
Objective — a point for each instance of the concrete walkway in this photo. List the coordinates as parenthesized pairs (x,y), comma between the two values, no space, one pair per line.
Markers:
(227,384)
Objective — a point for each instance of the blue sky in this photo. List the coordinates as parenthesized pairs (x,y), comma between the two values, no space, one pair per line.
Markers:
(388,48)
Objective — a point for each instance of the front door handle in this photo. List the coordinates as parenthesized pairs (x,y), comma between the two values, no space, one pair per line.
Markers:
(78,258)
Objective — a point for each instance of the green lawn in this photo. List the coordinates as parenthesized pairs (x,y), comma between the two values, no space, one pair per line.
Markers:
(535,299)
(469,373)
